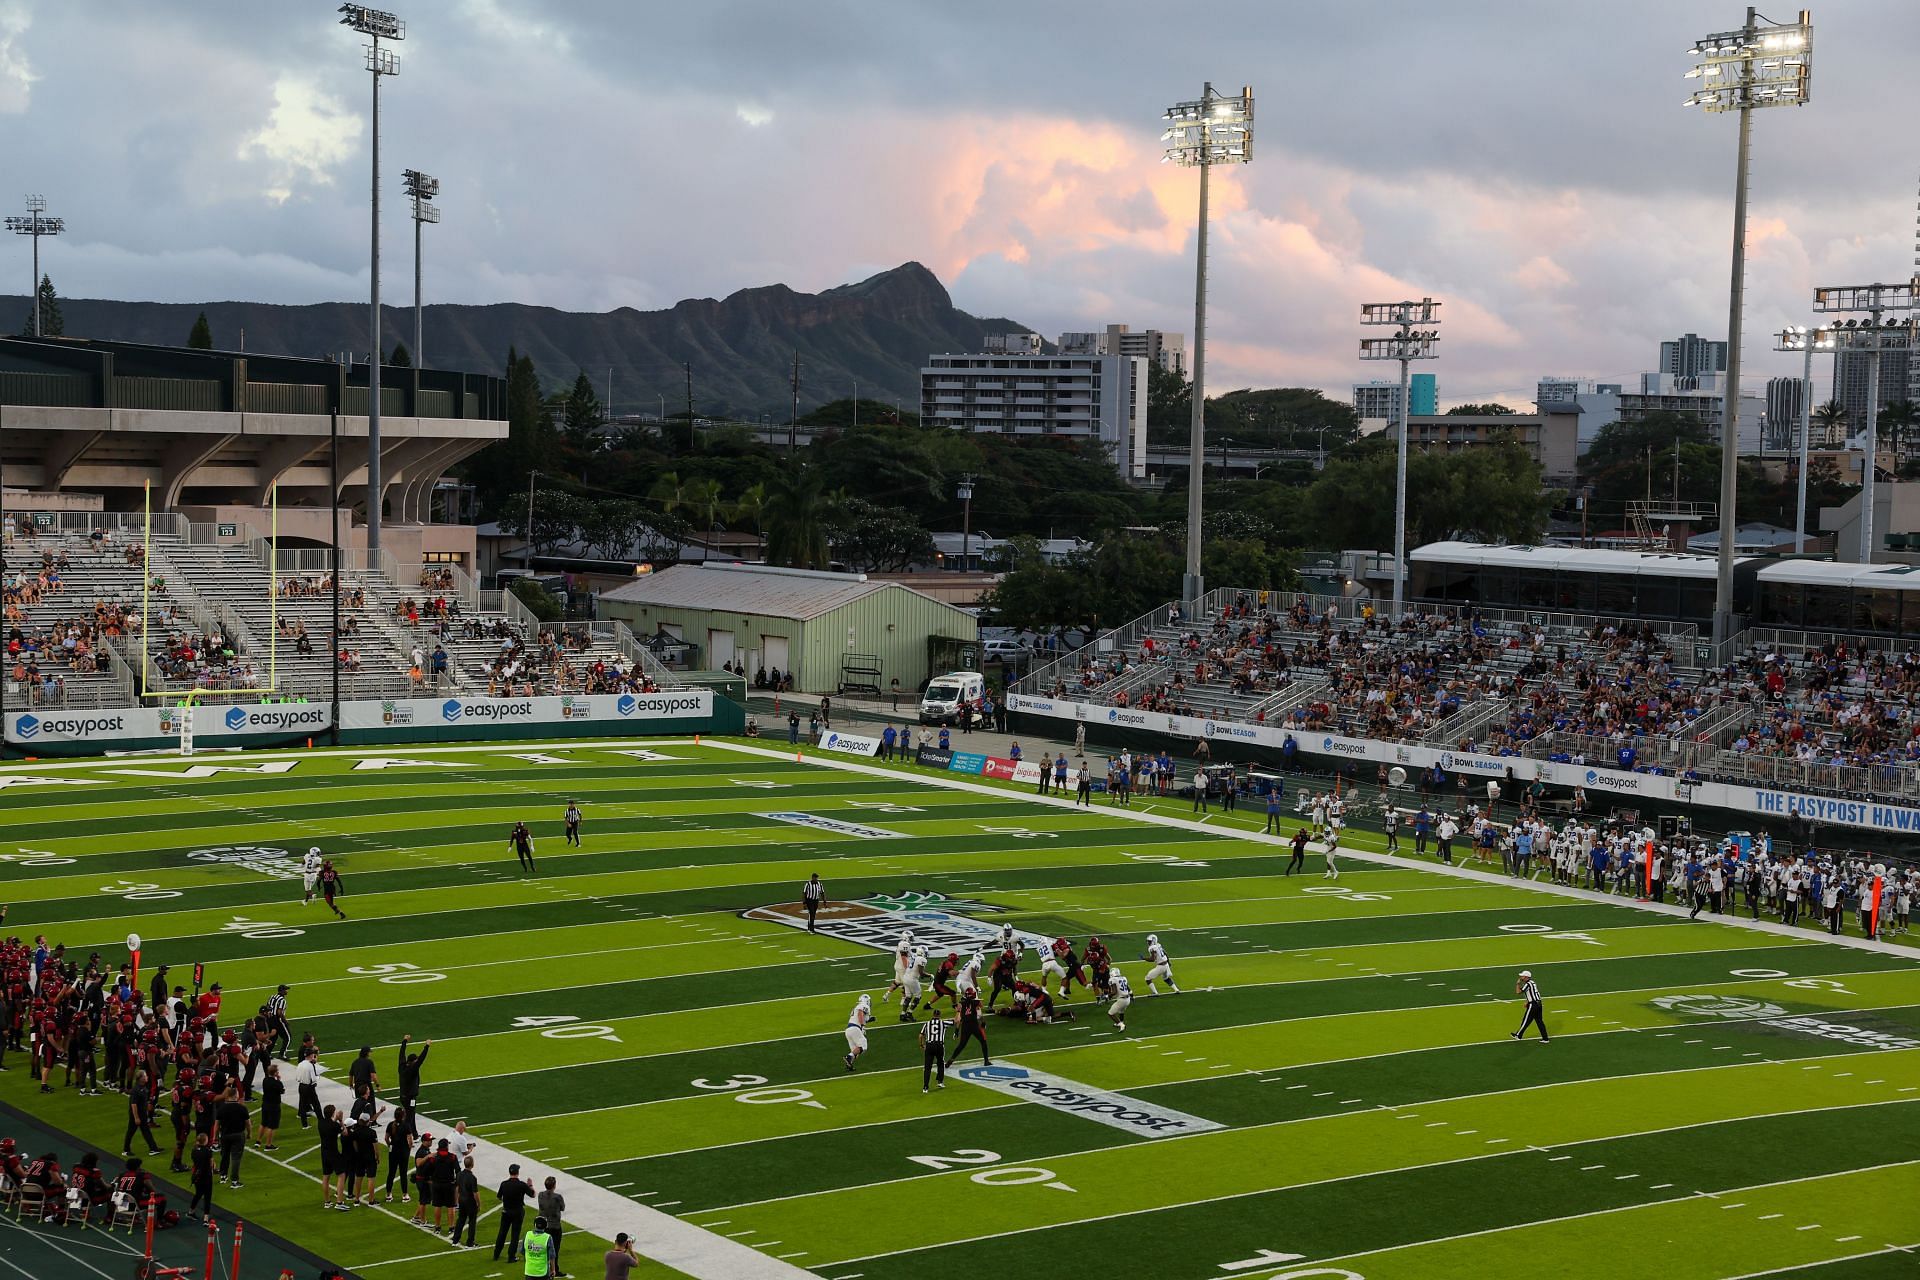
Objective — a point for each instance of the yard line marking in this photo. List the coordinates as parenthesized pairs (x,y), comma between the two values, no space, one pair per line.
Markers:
(1768,1217)
(1659,1186)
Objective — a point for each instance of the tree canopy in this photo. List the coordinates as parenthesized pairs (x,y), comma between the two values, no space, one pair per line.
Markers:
(200,337)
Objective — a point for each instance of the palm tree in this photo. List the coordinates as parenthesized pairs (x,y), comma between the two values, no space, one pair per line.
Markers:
(1897,424)
(751,508)
(670,491)
(703,499)
(797,514)
(1831,418)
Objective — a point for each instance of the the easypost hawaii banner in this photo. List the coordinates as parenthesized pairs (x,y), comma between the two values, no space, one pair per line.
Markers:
(1623,784)
(257,723)
(849,744)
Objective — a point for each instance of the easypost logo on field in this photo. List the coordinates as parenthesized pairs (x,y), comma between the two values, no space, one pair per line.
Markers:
(1112,1109)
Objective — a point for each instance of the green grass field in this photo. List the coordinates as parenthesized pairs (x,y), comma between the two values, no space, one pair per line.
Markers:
(1716,1101)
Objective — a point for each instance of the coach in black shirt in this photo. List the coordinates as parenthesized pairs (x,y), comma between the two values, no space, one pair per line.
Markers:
(236,1126)
(513,1195)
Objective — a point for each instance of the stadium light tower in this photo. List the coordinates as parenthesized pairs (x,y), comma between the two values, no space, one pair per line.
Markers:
(1409,344)
(421,189)
(377,25)
(1806,341)
(1200,134)
(1873,336)
(36,223)
(1763,64)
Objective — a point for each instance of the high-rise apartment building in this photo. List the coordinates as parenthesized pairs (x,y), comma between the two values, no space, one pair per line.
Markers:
(1166,350)
(1850,384)
(1381,397)
(1691,354)
(1786,398)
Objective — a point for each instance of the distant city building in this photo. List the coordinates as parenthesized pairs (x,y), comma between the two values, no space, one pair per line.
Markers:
(1698,397)
(1692,354)
(1786,398)
(1090,397)
(1850,384)
(1597,403)
(1551,439)
(1167,350)
(1013,343)
(1381,397)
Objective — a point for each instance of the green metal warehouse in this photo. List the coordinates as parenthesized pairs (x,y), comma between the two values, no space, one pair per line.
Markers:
(829,629)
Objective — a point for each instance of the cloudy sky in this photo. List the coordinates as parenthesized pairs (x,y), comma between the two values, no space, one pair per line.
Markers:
(1526,161)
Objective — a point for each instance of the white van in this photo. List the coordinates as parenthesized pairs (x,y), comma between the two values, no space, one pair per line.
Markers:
(942,701)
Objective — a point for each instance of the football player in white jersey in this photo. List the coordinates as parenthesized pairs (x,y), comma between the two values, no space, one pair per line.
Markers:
(902,961)
(1053,965)
(310,872)
(857,1029)
(1162,970)
(1122,997)
(912,983)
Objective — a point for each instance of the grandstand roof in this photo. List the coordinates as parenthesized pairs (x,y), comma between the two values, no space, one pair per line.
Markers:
(770,592)
(1830,573)
(1573,559)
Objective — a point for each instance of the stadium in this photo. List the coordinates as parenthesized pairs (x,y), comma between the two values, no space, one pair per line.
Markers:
(454,829)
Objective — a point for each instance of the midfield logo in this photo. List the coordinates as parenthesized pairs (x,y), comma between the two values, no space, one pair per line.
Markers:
(936,920)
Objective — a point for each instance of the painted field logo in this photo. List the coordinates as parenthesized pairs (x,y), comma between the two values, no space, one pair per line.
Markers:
(835,825)
(1113,1109)
(1718,1006)
(936,920)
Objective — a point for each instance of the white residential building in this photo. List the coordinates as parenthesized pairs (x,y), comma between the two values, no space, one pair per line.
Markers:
(1088,397)
(1597,403)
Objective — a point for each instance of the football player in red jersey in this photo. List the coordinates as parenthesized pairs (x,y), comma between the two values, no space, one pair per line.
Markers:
(943,983)
(1006,972)
(971,1027)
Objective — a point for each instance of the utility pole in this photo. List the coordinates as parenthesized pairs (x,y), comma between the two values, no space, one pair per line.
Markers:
(531,476)
(793,423)
(692,444)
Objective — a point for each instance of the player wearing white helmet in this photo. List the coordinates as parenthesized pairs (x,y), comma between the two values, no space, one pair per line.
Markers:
(902,961)
(857,1029)
(1122,997)
(970,974)
(912,983)
(1162,970)
(1006,937)
(310,872)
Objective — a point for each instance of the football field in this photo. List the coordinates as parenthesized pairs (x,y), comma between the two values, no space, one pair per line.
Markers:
(1334,1092)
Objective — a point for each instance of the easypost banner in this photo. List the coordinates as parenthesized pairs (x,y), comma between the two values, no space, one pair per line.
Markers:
(849,744)
(613,710)
(1823,809)
(109,727)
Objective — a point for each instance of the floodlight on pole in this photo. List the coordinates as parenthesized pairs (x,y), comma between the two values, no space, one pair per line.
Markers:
(1210,130)
(1411,343)
(1762,64)
(1873,336)
(965,493)
(1806,341)
(36,223)
(420,188)
(376,25)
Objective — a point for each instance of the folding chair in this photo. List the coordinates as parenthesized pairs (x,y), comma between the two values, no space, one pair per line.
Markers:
(126,1213)
(30,1202)
(79,1208)
(9,1194)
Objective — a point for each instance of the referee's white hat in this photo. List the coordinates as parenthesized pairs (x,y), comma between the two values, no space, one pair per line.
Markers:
(1526,973)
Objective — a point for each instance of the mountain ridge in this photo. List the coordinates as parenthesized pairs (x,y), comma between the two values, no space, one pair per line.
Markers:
(877,331)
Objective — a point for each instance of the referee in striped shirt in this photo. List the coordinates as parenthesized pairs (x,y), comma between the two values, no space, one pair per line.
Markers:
(277,1022)
(1529,990)
(933,1047)
(811,894)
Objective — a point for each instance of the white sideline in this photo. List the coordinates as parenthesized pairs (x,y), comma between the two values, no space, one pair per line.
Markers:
(592,1208)
(1402,863)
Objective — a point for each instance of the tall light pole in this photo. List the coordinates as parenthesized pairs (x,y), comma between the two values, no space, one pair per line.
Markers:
(1806,341)
(377,25)
(1200,134)
(422,188)
(1872,335)
(36,223)
(965,494)
(1755,66)
(1409,344)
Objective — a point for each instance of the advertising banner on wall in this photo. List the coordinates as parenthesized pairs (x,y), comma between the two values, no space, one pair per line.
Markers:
(1619,783)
